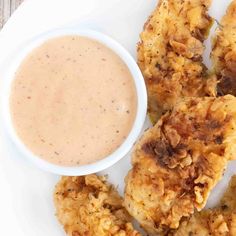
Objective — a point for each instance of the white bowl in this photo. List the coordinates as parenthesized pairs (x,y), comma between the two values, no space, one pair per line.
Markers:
(138,123)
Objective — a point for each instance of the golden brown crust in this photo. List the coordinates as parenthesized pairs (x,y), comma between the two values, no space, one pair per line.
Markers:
(219,221)
(88,206)
(170,53)
(224,52)
(178,162)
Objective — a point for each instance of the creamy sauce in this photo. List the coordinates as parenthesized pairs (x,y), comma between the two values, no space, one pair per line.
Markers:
(73,101)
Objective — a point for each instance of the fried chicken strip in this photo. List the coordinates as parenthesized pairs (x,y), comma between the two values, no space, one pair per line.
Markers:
(177,163)
(220,221)
(88,206)
(170,54)
(224,52)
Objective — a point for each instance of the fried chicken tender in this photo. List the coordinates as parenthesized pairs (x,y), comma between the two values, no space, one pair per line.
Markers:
(88,206)
(170,54)
(220,221)
(224,52)
(177,163)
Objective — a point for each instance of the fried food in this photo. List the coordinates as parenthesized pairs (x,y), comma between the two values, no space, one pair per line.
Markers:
(178,162)
(88,206)
(224,52)
(220,221)
(170,54)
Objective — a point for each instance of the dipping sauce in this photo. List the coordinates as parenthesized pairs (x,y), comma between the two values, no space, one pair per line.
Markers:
(73,101)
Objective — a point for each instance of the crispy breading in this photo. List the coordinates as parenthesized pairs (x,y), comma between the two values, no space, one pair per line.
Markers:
(224,52)
(88,206)
(219,221)
(170,54)
(178,162)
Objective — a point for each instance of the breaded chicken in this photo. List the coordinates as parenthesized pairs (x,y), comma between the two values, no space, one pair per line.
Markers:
(219,221)
(170,54)
(178,162)
(224,52)
(88,206)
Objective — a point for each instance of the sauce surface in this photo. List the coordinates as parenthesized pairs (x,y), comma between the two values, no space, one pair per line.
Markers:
(73,101)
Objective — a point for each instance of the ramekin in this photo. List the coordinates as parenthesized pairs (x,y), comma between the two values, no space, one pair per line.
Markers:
(119,153)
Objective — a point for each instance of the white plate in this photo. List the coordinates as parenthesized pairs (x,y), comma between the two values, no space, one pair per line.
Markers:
(26,207)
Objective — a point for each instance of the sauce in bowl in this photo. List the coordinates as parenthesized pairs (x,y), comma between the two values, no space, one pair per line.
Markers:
(73,101)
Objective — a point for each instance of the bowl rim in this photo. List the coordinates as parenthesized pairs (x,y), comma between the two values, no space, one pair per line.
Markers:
(141,92)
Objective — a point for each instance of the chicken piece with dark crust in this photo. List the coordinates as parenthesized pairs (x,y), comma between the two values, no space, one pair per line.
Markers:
(88,206)
(224,52)
(170,54)
(219,221)
(177,163)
